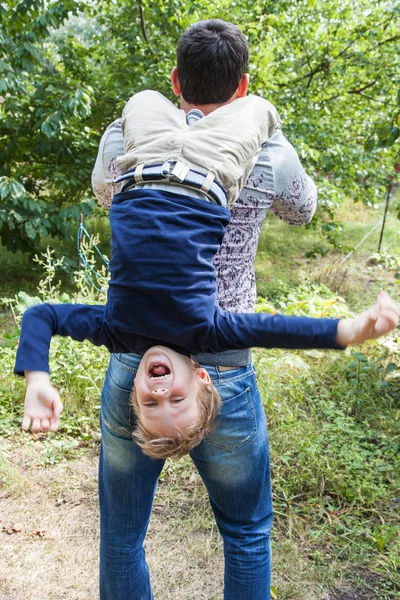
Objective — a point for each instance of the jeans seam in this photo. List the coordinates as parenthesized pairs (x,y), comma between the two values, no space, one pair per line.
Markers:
(115,384)
(222,380)
(122,432)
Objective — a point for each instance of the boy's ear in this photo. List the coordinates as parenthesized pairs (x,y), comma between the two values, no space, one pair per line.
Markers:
(203,374)
(176,88)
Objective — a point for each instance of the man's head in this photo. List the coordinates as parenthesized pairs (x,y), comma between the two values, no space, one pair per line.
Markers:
(212,63)
(174,401)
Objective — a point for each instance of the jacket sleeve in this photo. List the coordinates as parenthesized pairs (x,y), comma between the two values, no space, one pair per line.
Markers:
(41,322)
(249,330)
(106,169)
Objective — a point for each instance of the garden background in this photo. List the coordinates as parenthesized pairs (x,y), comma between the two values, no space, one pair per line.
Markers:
(332,69)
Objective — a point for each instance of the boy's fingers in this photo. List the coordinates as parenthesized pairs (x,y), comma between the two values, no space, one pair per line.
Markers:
(389,312)
(385,301)
(57,407)
(26,421)
(45,425)
(54,423)
(35,425)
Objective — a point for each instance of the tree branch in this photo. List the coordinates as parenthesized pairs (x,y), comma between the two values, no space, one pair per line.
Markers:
(143,26)
(388,40)
(325,64)
(365,87)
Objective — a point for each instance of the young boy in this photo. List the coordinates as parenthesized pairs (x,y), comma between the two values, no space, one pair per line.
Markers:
(162,293)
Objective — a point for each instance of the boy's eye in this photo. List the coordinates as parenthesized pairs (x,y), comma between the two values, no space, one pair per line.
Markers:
(177,400)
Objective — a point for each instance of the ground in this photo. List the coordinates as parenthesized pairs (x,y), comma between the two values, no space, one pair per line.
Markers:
(55,555)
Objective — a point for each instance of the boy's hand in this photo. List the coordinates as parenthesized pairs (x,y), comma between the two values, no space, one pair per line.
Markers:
(371,324)
(43,405)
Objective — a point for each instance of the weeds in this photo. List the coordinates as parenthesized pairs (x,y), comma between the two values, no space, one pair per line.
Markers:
(77,369)
(333,423)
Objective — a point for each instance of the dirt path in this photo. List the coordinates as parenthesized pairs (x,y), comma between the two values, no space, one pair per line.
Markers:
(55,556)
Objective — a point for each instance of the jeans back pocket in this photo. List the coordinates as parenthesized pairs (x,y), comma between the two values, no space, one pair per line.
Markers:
(236,423)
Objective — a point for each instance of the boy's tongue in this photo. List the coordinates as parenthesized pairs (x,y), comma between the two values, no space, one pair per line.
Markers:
(159,370)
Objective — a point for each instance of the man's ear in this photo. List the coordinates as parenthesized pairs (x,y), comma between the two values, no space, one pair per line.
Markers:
(176,88)
(243,86)
(203,374)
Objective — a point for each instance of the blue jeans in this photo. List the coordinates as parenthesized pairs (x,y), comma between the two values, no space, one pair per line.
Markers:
(233,463)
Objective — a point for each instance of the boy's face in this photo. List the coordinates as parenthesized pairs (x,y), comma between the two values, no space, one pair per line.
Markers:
(166,387)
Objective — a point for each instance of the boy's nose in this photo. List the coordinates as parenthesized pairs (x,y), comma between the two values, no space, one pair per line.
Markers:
(159,392)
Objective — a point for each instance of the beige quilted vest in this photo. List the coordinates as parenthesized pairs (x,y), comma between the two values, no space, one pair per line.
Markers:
(226,142)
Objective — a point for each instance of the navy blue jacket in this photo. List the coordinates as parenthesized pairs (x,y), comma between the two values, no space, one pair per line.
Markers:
(163,290)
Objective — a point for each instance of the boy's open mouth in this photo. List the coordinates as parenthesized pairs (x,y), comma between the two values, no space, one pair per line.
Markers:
(159,371)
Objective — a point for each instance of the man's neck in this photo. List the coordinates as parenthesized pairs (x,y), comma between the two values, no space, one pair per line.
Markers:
(206,109)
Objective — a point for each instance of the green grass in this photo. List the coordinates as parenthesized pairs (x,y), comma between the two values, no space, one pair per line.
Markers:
(282,249)
(333,417)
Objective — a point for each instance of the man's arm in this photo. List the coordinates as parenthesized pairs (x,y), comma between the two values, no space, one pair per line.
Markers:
(280,182)
(106,168)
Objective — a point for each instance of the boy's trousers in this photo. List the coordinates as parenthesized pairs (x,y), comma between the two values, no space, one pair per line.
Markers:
(233,463)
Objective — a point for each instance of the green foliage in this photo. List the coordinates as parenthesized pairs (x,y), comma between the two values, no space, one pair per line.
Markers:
(67,68)
(77,369)
(312,300)
(46,149)
(386,131)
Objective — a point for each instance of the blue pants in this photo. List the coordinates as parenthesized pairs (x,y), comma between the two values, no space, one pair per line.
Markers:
(233,463)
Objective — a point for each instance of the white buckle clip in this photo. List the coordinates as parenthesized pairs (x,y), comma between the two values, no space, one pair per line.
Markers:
(174,170)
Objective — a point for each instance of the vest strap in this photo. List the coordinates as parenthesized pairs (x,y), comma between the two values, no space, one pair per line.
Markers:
(175,172)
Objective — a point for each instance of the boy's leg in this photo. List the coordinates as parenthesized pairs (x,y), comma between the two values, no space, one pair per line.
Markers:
(127,483)
(234,465)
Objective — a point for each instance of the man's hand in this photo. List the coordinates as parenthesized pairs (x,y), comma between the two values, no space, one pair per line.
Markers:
(371,324)
(43,405)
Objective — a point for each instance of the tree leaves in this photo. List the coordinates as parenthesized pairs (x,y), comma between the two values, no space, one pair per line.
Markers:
(67,68)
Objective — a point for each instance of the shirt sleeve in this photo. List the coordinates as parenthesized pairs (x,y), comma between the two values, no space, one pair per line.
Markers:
(106,169)
(278,182)
(244,330)
(41,322)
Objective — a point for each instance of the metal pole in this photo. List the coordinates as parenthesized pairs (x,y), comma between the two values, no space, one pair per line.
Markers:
(389,192)
(80,241)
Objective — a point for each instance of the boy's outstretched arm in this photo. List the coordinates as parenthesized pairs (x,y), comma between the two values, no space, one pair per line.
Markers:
(43,406)
(41,322)
(242,330)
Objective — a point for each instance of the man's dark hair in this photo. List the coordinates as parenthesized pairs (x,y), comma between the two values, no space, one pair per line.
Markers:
(211,56)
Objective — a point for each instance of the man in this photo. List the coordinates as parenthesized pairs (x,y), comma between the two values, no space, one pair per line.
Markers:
(212,61)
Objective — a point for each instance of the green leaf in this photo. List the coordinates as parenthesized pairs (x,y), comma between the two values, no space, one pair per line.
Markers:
(369,144)
(26,301)
(384,131)
(31,231)
(393,135)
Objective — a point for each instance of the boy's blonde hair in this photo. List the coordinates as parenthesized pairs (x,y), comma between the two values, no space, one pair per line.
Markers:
(209,402)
